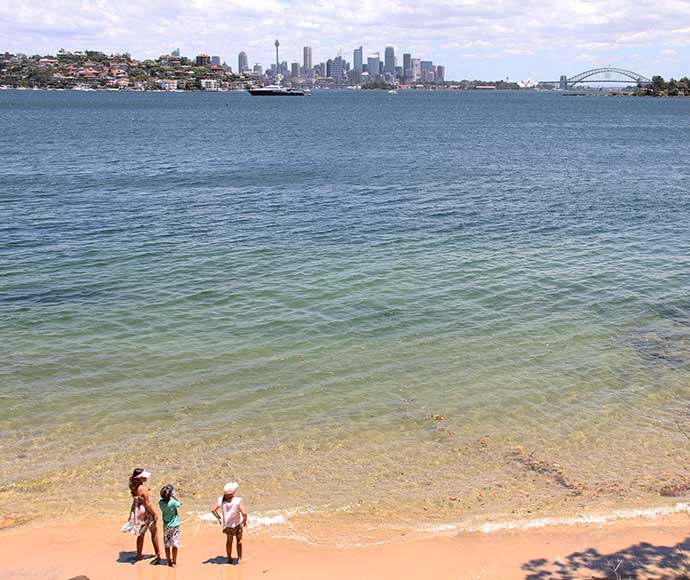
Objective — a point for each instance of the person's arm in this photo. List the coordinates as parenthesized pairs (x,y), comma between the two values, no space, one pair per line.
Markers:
(144,495)
(214,511)
(244,515)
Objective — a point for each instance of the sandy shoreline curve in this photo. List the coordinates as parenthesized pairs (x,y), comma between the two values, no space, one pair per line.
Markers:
(641,548)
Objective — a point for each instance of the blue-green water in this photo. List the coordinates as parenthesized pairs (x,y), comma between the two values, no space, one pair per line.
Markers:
(287,291)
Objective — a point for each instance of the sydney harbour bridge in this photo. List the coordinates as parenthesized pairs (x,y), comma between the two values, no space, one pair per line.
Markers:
(600,75)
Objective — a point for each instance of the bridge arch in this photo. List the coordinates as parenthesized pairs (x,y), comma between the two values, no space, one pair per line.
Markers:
(628,74)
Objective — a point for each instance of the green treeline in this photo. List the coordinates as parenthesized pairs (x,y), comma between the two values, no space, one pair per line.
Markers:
(662,88)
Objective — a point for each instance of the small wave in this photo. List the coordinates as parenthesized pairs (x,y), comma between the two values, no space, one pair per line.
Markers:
(256,520)
(279,524)
(270,520)
(530,524)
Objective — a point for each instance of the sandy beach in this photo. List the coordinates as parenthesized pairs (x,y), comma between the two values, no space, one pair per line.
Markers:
(637,549)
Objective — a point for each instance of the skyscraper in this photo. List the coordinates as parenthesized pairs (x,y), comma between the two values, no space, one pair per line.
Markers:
(440,74)
(416,69)
(215,60)
(389,60)
(427,71)
(242,62)
(407,68)
(357,59)
(373,65)
(307,64)
(203,60)
(338,69)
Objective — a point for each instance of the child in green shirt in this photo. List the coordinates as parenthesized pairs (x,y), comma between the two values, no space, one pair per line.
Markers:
(171,523)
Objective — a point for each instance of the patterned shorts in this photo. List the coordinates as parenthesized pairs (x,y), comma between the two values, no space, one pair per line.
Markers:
(234,531)
(171,537)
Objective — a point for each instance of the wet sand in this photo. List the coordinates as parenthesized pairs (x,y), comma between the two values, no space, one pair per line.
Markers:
(637,549)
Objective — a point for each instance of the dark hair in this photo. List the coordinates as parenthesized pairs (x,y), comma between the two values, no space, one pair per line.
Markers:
(166,493)
(135,480)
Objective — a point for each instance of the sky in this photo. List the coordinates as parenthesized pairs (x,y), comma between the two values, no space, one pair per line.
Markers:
(474,39)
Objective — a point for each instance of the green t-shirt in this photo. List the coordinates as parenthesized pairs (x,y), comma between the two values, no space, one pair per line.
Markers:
(169,511)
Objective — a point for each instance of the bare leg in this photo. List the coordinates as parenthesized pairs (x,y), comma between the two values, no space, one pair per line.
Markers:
(174,554)
(167,556)
(140,546)
(228,548)
(239,547)
(156,544)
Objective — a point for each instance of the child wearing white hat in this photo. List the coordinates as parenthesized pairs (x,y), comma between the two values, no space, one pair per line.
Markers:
(232,516)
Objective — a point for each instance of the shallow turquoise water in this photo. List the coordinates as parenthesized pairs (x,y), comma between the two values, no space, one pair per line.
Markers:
(287,291)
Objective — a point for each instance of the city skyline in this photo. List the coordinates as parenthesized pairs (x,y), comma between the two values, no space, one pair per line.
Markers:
(343,71)
(533,39)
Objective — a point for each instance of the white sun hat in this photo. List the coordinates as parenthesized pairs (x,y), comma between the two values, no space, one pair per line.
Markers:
(231,487)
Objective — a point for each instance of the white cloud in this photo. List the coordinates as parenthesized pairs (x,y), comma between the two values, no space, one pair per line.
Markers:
(445,30)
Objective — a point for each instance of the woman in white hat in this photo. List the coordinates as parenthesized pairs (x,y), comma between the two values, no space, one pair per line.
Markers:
(142,515)
(232,516)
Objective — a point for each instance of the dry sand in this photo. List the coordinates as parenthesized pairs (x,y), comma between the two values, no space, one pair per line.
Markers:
(632,549)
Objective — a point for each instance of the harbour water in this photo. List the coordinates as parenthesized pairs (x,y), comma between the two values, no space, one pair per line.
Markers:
(427,311)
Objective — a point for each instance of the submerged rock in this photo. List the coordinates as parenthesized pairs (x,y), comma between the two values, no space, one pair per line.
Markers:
(676,489)
(670,349)
(553,470)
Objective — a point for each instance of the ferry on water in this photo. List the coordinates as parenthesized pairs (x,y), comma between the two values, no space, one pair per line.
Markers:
(276,91)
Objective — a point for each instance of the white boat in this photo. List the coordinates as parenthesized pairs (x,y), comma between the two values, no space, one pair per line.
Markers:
(276,91)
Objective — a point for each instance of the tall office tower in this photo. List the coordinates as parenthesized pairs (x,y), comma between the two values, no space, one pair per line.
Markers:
(357,59)
(203,60)
(389,60)
(258,68)
(407,67)
(295,70)
(307,64)
(440,74)
(215,60)
(338,69)
(176,53)
(416,69)
(242,62)
(373,65)
(329,67)
(426,68)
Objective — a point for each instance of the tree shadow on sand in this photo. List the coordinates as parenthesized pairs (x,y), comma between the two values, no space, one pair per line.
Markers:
(641,561)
